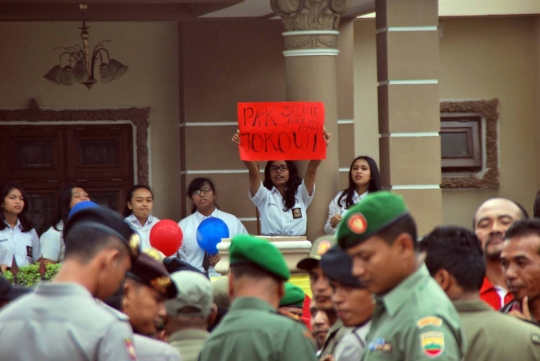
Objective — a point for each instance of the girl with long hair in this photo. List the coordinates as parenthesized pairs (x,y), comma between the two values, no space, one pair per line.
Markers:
(138,212)
(363,178)
(203,195)
(52,242)
(19,242)
(283,197)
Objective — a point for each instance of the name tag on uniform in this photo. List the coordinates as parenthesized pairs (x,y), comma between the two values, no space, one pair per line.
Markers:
(29,251)
(296,213)
(3,240)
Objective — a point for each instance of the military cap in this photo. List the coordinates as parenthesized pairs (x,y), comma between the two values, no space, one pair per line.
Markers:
(246,249)
(294,296)
(337,265)
(108,221)
(8,292)
(378,211)
(194,291)
(152,273)
(80,206)
(319,247)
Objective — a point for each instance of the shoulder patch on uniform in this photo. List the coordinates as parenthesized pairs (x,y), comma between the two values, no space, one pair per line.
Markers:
(535,338)
(130,347)
(432,343)
(428,321)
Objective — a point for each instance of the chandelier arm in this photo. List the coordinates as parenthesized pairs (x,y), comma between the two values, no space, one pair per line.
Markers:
(101,56)
(100,46)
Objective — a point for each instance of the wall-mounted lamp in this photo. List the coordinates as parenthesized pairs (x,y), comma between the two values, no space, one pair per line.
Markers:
(81,62)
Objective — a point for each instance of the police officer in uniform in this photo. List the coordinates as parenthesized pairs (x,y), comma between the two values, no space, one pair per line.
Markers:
(413,318)
(147,286)
(252,330)
(322,294)
(62,320)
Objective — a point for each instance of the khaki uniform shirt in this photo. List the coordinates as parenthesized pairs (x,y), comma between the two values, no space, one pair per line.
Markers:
(189,343)
(415,321)
(493,336)
(149,349)
(62,321)
(335,334)
(253,331)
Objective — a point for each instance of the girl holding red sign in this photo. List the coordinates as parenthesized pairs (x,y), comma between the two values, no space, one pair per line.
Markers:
(283,197)
(363,178)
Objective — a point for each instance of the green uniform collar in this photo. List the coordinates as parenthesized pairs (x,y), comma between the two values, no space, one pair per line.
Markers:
(251,303)
(394,300)
(472,306)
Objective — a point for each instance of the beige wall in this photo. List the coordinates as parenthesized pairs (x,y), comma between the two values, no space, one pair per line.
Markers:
(481,58)
(151,52)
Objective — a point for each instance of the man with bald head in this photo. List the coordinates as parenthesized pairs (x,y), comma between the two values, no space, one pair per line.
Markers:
(491,221)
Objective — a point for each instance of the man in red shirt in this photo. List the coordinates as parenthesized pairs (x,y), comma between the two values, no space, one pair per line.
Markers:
(491,221)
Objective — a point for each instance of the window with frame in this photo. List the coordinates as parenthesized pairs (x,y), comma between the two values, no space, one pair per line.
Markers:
(461,143)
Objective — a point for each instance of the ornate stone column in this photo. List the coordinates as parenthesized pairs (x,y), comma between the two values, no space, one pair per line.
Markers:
(310,65)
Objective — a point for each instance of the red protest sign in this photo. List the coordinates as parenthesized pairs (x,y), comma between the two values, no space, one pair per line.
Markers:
(281,131)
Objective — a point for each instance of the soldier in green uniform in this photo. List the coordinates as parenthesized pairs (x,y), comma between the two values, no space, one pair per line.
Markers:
(292,304)
(413,318)
(252,330)
(455,259)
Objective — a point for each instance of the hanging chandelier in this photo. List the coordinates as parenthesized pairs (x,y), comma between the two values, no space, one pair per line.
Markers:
(80,62)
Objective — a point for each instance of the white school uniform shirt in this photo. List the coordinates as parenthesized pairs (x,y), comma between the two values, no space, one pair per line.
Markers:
(52,243)
(24,246)
(142,230)
(335,208)
(190,250)
(275,221)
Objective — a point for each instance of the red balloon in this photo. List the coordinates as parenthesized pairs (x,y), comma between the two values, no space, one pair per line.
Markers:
(166,236)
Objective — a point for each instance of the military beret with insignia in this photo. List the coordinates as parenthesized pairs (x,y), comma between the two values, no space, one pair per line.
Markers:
(319,247)
(337,265)
(376,212)
(246,249)
(108,221)
(294,296)
(152,273)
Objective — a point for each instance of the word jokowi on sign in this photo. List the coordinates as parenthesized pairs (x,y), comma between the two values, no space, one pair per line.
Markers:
(281,131)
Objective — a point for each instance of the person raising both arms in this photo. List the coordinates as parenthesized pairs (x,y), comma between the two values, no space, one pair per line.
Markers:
(19,242)
(140,201)
(52,242)
(364,178)
(283,197)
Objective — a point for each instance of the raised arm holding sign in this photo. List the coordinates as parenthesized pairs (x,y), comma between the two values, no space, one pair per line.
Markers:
(282,185)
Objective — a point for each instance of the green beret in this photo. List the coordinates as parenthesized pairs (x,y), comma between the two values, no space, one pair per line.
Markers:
(319,247)
(376,212)
(258,251)
(294,296)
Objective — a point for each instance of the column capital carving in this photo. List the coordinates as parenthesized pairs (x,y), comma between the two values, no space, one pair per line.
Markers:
(310,14)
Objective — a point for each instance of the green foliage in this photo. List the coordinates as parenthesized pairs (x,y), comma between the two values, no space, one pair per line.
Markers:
(29,275)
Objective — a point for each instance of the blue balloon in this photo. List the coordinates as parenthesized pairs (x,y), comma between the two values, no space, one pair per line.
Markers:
(209,234)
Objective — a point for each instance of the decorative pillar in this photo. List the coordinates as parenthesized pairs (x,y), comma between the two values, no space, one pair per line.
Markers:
(409,110)
(310,66)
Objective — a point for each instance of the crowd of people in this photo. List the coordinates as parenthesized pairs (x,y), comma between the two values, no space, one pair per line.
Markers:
(379,290)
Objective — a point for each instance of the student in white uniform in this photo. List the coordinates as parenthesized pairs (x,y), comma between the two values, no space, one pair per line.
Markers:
(202,193)
(18,240)
(283,198)
(52,242)
(363,178)
(140,201)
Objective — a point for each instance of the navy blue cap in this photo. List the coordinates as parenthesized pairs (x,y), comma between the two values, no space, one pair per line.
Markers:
(337,265)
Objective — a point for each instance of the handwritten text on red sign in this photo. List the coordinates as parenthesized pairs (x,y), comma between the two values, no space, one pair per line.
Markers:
(281,131)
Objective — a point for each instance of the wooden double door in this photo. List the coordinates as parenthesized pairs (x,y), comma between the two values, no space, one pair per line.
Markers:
(46,158)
